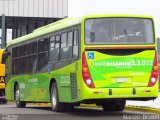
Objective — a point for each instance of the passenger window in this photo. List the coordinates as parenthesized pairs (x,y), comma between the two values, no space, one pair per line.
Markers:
(70,38)
(32,58)
(63,40)
(32,66)
(42,60)
(75,45)
(43,45)
(57,45)
(23,65)
(24,50)
(16,67)
(52,42)
(16,52)
(75,37)
(33,47)
(54,53)
(66,51)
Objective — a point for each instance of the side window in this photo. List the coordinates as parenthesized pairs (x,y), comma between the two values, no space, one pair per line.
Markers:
(13,52)
(52,48)
(63,40)
(52,42)
(16,52)
(66,50)
(15,66)
(43,46)
(32,47)
(54,51)
(75,44)
(16,61)
(57,41)
(32,59)
(23,60)
(23,67)
(75,38)
(70,38)
(24,50)
(42,60)
(32,66)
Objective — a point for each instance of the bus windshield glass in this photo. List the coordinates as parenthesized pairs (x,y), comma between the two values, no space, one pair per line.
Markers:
(119,31)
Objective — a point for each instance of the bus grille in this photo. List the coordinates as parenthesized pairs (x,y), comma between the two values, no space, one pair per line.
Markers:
(74,86)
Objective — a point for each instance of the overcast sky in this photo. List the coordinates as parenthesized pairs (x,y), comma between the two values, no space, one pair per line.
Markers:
(77,8)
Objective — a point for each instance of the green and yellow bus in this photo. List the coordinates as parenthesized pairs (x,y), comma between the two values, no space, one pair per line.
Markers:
(100,59)
(2,77)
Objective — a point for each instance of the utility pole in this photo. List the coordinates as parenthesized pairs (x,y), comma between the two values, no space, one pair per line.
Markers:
(3,34)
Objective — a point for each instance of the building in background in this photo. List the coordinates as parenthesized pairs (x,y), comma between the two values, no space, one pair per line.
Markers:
(20,17)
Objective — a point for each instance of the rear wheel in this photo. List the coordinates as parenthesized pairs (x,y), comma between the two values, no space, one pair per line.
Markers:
(57,106)
(114,106)
(120,105)
(19,104)
(3,99)
(69,107)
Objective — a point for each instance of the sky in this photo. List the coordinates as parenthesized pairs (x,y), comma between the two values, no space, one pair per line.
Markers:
(78,8)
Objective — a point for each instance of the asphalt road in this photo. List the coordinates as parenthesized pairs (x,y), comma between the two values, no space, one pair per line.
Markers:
(34,112)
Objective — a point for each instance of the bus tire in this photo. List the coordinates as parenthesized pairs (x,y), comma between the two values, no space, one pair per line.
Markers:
(108,107)
(114,106)
(55,104)
(69,107)
(120,105)
(4,101)
(19,104)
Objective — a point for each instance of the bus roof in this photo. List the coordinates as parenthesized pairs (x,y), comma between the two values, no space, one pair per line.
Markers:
(64,23)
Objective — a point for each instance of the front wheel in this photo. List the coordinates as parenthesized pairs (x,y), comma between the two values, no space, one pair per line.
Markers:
(19,104)
(4,101)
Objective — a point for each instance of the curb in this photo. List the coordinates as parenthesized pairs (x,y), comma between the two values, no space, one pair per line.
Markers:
(131,108)
(142,109)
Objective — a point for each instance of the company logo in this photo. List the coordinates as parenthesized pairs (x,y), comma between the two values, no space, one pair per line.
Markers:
(91,55)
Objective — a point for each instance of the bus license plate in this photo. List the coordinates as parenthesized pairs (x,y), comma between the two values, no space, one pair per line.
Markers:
(121,79)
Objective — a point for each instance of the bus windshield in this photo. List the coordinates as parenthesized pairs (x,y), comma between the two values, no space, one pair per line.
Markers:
(119,31)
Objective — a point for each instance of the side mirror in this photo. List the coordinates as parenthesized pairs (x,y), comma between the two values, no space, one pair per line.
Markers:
(5,56)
